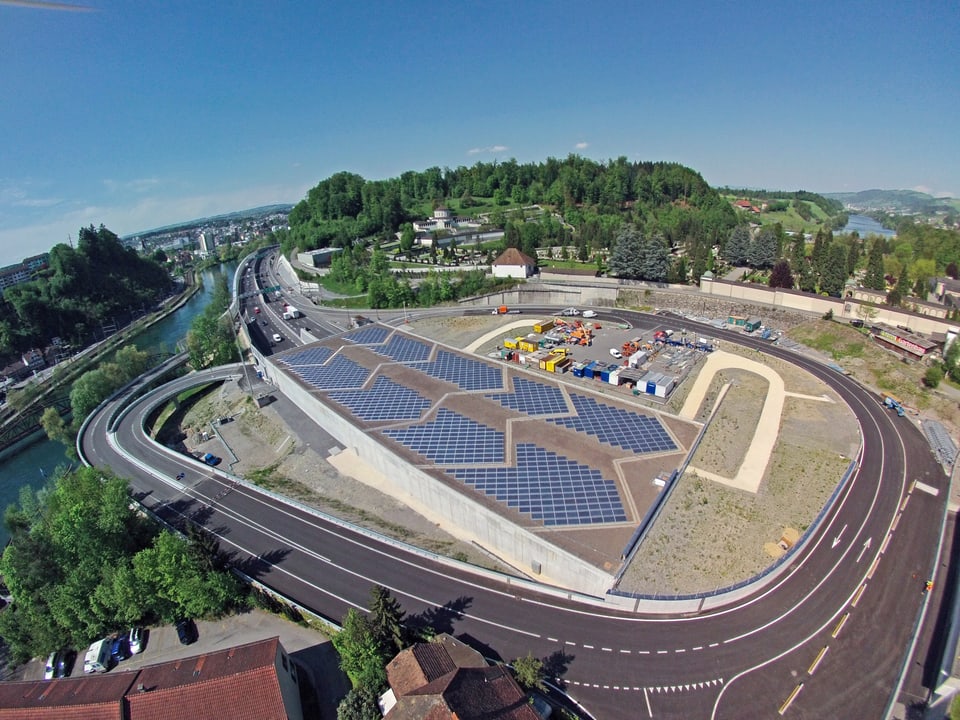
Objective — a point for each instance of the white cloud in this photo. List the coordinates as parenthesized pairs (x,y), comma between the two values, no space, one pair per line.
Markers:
(491,149)
(582,145)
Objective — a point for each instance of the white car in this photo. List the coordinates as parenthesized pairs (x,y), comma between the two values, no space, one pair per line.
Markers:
(51,664)
(589,313)
(135,640)
(277,338)
(570,312)
(616,353)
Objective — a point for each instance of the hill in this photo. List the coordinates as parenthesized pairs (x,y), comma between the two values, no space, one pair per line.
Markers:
(236,216)
(900,202)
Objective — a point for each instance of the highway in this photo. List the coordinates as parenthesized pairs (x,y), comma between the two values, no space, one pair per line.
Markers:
(826,639)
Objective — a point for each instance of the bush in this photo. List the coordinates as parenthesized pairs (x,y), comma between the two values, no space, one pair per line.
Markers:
(933,376)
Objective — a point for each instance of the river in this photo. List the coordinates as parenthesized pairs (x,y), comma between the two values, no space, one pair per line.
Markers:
(36,463)
(864,226)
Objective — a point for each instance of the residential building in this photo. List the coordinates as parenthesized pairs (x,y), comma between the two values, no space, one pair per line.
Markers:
(513,263)
(447,680)
(23,271)
(207,243)
(256,681)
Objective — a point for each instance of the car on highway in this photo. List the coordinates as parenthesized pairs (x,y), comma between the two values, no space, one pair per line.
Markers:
(277,338)
(570,312)
(211,459)
(186,631)
(589,314)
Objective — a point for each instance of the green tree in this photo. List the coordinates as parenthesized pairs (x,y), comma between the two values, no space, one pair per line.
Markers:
(625,261)
(737,249)
(359,704)
(873,278)
(360,653)
(951,360)
(528,671)
(834,270)
(56,427)
(88,391)
(933,376)
(386,621)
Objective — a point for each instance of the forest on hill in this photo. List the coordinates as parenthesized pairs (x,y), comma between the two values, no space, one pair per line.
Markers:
(593,199)
(82,288)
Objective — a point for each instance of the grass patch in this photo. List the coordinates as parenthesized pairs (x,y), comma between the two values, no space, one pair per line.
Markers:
(189,393)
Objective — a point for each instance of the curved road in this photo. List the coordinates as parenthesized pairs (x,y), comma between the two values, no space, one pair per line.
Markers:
(826,639)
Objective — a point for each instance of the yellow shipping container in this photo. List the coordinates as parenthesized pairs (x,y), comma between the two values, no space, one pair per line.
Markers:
(526,345)
(543,326)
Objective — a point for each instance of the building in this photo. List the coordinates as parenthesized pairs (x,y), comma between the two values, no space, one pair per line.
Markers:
(946,291)
(256,681)
(23,271)
(318,258)
(442,220)
(513,263)
(447,680)
(207,243)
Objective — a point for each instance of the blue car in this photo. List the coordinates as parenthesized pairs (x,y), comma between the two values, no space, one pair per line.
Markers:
(118,649)
(211,460)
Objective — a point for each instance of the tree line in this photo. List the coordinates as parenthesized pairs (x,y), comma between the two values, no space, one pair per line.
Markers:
(81,564)
(82,288)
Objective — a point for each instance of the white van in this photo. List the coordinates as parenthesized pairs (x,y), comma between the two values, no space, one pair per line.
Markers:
(97,658)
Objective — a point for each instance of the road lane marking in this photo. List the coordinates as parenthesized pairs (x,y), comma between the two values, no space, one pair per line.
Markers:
(929,489)
(839,627)
(816,661)
(790,699)
(550,639)
(856,597)
(646,697)
(588,647)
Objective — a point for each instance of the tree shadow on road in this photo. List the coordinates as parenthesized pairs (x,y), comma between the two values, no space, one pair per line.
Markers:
(433,621)
(257,567)
(555,666)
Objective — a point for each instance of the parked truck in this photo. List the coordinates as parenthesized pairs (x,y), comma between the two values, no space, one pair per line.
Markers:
(97,658)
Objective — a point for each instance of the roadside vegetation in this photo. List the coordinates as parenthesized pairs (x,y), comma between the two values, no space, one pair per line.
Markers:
(211,340)
(81,564)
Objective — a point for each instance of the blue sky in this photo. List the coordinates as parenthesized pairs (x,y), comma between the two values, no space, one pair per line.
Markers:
(137,115)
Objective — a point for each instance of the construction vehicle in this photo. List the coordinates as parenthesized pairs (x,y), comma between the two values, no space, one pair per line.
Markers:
(893,403)
(631,346)
(502,310)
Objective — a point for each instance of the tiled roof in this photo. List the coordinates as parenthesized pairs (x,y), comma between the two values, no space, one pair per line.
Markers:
(418,665)
(512,256)
(239,682)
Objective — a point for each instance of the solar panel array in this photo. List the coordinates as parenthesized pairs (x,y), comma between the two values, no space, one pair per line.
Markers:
(339,373)
(621,428)
(310,356)
(386,400)
(549,488)
(464,372)
(369,335)
(452,438)
(532,398)
(404,349)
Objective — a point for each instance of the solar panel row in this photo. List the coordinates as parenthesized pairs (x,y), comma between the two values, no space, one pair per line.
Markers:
(369,335)
(549,488)
(532,398)
(386,400)
(310,356)
(617,427)
(452,439)
(404,349)
(340,372)
(466,373)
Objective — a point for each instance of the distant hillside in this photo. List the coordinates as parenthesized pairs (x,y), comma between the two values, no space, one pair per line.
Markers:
(239,215)
(901,202)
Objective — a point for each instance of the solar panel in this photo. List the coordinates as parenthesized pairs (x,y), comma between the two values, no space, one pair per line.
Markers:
(386,400)
(310,356)
(452,438)
(467,373)
(532,398)
(404,349)
(617,427)
(369,335)
(339,373)
(549,488)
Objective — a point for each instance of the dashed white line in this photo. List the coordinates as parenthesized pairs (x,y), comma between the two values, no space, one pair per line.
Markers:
(606,649)
(625,652)
(588,647)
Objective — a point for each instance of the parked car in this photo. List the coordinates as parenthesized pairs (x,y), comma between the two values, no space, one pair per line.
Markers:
(589,313)
(211,459)
(186,631)
(64,665)
(118,649)
(51,664)
(135,640)
(616,353)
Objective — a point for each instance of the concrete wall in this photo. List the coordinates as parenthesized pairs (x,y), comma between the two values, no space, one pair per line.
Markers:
(474,522)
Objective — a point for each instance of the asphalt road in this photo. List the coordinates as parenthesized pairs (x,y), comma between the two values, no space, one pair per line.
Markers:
(854,589)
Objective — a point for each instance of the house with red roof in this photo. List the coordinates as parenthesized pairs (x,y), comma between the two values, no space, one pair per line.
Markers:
(447,680)
(256,681)
(515,264)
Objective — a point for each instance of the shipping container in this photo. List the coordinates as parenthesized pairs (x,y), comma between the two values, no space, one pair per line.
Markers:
(542,326)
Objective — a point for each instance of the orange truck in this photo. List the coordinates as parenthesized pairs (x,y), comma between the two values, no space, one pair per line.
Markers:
(502,310)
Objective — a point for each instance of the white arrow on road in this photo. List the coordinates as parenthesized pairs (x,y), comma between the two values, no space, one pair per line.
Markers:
(866,546)
(836,540)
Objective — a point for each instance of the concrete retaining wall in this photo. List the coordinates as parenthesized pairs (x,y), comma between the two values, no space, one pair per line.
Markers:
(474,522)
